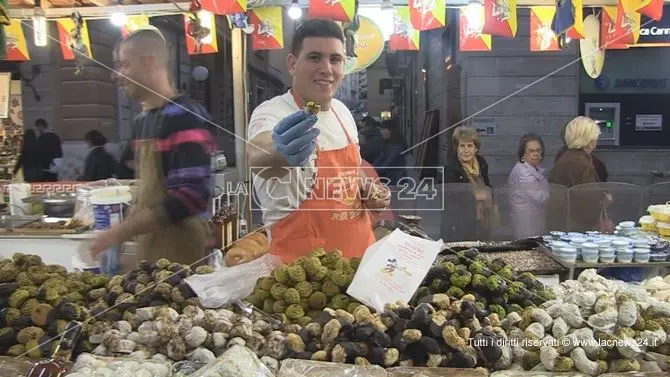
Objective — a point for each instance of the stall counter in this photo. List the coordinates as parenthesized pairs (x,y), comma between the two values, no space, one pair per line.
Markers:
(64,250)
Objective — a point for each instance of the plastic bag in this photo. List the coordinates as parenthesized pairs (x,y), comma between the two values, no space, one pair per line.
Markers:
(308,368)
(392,269)
(435,372)
(15,366)
(88,365)
(185,368)
(231,283)
(236,362)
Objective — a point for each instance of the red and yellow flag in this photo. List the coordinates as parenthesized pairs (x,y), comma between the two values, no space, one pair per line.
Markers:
(427,14)
(224,7)
(404,37)
(470,38)
(17,48)
(65,28)
(203,41)
(336,10)
(134,23)
(500,18)
(608,37)
(542,37)
(627,28)
(577,29)
(268,28)
(652,9)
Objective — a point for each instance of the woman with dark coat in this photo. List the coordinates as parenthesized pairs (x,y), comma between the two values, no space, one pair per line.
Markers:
(467,166)
(575,167)
(99,164)
(30,158)
(391,163)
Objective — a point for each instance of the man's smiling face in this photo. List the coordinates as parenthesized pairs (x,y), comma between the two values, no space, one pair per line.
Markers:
(318,69)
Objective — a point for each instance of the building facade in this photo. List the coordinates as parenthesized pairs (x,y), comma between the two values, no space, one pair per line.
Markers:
(510,91)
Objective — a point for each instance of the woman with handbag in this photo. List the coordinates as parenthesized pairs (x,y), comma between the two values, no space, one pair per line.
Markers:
(575,167)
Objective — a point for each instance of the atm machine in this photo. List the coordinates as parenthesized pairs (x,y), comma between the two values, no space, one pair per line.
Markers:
(606,116)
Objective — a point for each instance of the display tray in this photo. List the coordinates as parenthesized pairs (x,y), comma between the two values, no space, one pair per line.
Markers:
(524,255)
(579,264)
(45,232)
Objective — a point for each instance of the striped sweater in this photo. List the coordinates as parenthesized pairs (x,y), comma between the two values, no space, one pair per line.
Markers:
(182,132)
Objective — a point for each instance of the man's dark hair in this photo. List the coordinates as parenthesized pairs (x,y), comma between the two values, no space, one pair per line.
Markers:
(96,138)
(315,29)
(41,123)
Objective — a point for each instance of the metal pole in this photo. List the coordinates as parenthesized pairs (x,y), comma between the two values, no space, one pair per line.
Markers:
(240,114)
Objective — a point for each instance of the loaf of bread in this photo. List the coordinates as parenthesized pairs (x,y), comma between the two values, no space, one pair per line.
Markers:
(244,250)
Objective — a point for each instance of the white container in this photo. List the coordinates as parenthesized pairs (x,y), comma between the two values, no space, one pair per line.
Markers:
(641,257)
(602,242)
(109,204)
(557,234)
(641,243)
(608,258)
(625,256)
(627,224)
(568,254)
(590,257)
(589,247)
(620,244)
(607,250)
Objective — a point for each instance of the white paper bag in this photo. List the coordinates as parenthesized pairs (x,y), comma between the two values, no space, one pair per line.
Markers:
(231,283)
(392,269)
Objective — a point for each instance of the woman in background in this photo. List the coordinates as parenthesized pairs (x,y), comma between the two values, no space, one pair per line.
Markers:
(30,158)
(99,164)
(575,167)
(391,163)
(467,166)
(529,188)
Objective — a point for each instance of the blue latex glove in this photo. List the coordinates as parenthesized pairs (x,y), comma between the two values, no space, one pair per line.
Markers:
(294,137)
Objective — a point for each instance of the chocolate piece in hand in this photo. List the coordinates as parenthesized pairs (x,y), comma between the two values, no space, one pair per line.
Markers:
(312,107)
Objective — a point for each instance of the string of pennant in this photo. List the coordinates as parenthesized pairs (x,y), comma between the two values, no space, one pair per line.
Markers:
(550,26)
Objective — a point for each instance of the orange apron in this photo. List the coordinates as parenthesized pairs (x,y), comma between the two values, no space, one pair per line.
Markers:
(332,216)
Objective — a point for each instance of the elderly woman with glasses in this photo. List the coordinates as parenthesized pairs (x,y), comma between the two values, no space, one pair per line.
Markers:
(529,188)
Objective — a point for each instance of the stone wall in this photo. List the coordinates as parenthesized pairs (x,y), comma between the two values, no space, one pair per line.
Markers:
(519,91)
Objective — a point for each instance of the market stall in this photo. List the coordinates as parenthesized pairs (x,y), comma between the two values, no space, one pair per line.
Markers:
(466,314)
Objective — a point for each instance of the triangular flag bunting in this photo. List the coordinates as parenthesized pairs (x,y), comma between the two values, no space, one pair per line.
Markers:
(17,48)
(268,25)
(224,7)
(201,35)
(134,23)
(608,35)
(336,10)
(500,19)
(652,9)
(66,27)
(405,36)
(627,29)
(470,38)
(427,14)
(542,38)
(577,29)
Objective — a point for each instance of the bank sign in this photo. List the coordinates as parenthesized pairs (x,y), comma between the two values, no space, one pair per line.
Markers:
(655,33)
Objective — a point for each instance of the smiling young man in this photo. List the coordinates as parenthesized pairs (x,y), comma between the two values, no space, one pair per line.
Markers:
(307,167)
